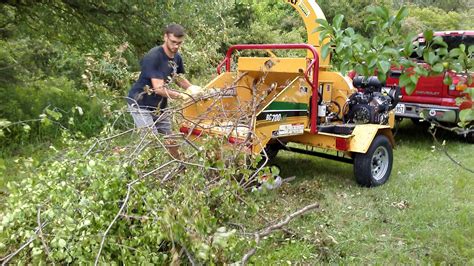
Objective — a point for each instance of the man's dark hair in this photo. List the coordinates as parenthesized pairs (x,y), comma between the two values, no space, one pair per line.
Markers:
(175,29)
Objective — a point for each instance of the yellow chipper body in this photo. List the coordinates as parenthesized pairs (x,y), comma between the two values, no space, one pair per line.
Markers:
(270,102)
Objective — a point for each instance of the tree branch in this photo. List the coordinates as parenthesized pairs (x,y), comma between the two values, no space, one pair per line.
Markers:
(270,229)
(7,258)
(40,235)
(445,151)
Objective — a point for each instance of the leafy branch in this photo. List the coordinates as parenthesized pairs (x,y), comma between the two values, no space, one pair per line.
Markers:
(388,48)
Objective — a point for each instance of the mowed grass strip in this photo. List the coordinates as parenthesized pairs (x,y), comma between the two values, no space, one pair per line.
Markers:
(425,213)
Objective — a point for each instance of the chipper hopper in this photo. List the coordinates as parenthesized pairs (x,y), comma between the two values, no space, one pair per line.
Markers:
(297,104)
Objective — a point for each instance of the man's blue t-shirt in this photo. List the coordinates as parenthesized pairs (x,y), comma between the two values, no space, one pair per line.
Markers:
(155,64)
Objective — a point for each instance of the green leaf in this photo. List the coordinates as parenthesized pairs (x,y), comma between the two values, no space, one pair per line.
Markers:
(408,48)
(428,35)
(438,40)
(325,50)
(62,243)
(361,69)
(430,58)
(442,51)
(470,50)
(391,52)
(55,115)
(372,61)
(36,251)
(382,76)
(323,23)
(447,80)
(438,68)
(470,91)
(420,50)
(410,88)
(466,115)
(26,128)
(381,12)
(404,80)
(456,52)
(402,13)
(323,34)
(421,71)
(384,66)
(220,164)
(339,48)
(46,121)
(350,31)
(4,123)
(407,63)
(337,22)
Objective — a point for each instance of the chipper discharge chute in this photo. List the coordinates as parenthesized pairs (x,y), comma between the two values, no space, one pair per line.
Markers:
(267,103)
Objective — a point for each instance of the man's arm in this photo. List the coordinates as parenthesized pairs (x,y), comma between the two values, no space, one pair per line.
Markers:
(183,83)
(160,89)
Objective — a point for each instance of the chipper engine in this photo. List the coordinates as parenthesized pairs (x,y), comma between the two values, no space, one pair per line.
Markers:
(298,104)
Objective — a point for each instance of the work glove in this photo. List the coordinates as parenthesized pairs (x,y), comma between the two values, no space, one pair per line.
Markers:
(184,96)
(194,90)
(212,91)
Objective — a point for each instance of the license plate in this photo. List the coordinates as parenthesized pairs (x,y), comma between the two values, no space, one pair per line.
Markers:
(400,108)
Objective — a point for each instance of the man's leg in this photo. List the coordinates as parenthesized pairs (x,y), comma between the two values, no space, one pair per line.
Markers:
(158,124)
(163,126)
(142,118)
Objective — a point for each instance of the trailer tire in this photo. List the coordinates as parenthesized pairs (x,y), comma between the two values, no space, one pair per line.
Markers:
(373,168)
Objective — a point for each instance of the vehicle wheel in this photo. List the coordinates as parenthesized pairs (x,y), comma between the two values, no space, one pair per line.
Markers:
(373,168)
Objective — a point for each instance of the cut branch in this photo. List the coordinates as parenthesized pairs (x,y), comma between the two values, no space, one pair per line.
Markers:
(7,258)
(270,229)
(445,151)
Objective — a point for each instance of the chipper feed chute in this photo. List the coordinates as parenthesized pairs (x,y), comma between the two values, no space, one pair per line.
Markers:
(264,99)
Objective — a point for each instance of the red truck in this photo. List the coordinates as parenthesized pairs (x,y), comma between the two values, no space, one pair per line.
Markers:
(432,99)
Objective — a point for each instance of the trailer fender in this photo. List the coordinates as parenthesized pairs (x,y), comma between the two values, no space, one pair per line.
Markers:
(363,135)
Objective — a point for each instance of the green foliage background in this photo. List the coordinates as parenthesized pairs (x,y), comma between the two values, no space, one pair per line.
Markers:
(89,47)
(65,66)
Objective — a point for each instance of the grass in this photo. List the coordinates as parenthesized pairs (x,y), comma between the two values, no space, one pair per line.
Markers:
(423,214)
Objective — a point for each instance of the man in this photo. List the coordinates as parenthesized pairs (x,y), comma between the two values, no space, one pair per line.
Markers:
(160,66)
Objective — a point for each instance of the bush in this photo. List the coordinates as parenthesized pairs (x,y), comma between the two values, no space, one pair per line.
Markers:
(38,112)
(24,61)
(108,71)
(422,19)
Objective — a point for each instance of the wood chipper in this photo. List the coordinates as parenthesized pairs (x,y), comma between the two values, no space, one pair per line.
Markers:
(271,102)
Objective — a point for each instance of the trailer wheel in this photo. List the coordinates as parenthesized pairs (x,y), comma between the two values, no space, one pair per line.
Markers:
(373,168)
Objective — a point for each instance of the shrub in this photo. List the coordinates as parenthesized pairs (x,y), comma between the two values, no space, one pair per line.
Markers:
(44,108)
